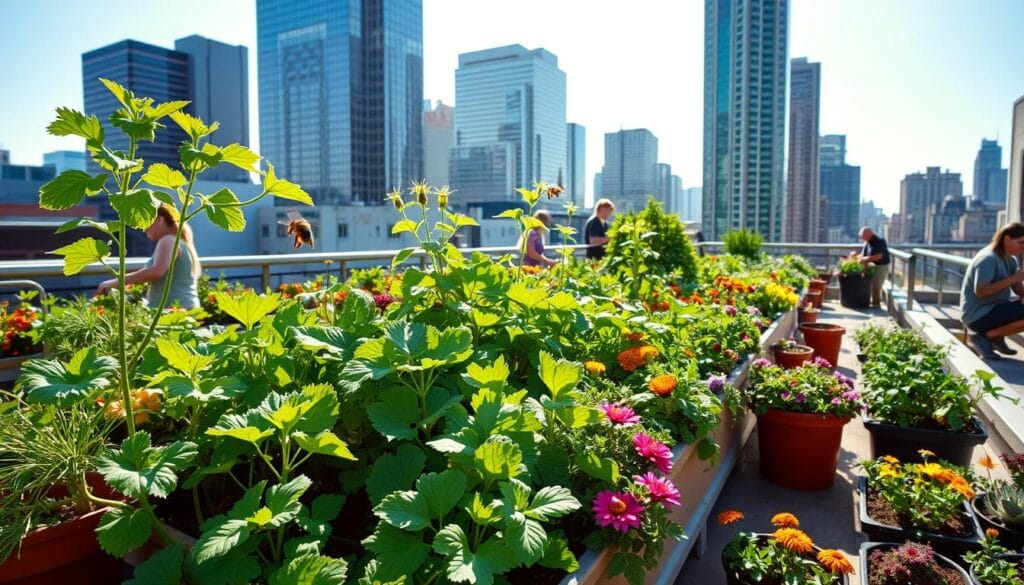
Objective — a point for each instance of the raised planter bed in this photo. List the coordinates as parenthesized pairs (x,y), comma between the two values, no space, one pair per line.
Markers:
(903,443)
(702,483)
(869,547)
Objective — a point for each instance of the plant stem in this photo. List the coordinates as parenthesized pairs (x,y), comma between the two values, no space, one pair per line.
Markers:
(122,314)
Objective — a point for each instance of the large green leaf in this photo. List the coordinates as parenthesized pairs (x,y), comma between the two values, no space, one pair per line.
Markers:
(81,254)
(139,468)
(163,568)
(495,374)
(68,189)
(182,358)
(120,92)
(133,125)
(54,382)
(222,209)
(283,500)
(394,472)
(527,539)
(334,340)
(560,376)
(326,443)
(197,160)
(137,207)
(248,308)
(397,415)
(399,553)
(74,123)
(161,175)
(310,570)
(160,110)
(241,157)
(406,510)
(284,189)
(593,465)
(193,126)
(122,530)
(223,534)
(552,502)
(499,458)
(442,491)
(465,565)
(558,556)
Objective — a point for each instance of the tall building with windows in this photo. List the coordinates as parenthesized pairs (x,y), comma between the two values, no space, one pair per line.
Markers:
(989,174)
(511,103)
(1015,190)
(839,185)
(341,95)
(438,137)
(919,192)
(576,163)
(745,64)
(803,208)
(630,172)
(64,160)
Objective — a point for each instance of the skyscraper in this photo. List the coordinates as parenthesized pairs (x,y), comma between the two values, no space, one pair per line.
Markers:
(147,70)
(515,97)
(576,153)
(64,160)
(989,174)
(438,123)
(745,60)
(1015,192)
(918,193)
(341,95)
(803,210)
(630,171)
(219,90)
(839,186)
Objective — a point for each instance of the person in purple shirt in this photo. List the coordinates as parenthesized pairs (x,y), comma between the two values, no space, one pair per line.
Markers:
(534,253)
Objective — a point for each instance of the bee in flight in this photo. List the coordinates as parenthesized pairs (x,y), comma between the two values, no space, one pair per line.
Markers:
(299,228)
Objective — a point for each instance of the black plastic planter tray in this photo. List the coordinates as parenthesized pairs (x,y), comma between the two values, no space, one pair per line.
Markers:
(952,546)
(904,443)
(869,547)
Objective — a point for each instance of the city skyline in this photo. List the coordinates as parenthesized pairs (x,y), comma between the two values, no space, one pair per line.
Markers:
(879,73)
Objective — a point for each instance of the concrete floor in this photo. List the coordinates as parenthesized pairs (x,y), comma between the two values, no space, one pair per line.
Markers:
(829,516)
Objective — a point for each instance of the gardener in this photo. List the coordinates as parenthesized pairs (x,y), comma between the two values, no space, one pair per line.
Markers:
(875,251)
(985,305)
(186,267)
(595,232)
(534,255)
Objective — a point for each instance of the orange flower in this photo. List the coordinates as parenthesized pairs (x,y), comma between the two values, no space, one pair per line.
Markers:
(633,358)
(987,462)
(794,540)
(835,561)
(595,369)
(632,336)
(663,385)
(991,533)
(963,488)
(891,459)
(785,520)
(730,516)
(530,269)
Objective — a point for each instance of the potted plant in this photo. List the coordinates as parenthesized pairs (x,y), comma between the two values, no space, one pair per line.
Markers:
(790,354)
(825,338)
(926,501)
(18,343)
(932,408)
(855,283)
(807,313)
(1001,505)
(911,563)
(994,564)
(819,285)
(800,417)
(787,555)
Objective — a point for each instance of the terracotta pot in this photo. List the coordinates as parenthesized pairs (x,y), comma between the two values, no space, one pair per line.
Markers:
(817,284)
(813,297)
(805,316)
(63,553)
(826,275)
(825,338)
(793,357)
(799,450)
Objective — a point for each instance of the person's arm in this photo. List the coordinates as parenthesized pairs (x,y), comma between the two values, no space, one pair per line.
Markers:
(985,271)
(161,262)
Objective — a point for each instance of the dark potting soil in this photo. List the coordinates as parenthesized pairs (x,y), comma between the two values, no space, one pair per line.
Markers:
(881,511)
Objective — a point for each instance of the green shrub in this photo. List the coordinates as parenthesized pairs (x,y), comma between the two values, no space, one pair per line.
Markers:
(676,253)
(744,243)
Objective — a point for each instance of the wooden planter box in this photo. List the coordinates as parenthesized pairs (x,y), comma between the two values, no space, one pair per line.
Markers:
(699,483)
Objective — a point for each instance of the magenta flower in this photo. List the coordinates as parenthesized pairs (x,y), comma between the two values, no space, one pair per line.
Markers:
(760,363)
(730,310)
(822,362)
(753,311)
(620,415)
(661,490)
(618,509)
(654,451)
(715,383)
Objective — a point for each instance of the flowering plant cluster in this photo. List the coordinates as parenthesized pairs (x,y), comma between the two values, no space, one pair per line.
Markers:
(787,555)
(18,323)
(990,565)
(855,268)
(927,495)
(811,388)
(911,563)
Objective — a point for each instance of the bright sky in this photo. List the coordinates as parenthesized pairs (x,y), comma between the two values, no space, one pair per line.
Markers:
(912,83)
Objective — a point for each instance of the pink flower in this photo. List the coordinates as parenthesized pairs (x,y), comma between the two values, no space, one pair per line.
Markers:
(660,489)
(618,509)
(620,415)
(654,451)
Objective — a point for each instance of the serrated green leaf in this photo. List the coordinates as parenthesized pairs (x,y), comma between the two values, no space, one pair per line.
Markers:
(53,382)
(221,537)
(527,539)
(138,468)
(238,566)
(283,500)
(404,225)
(86,222)
(248,434)
(406,510)
(527,295)
(441,491)
(560,376)
(182,358)
(249,307)
(515,213)
(223,210)
(67,189)
(120,92)
(558,556)
(578,417)
(261,518)
(499,459)
(402,256)
(81,254)
(552,502)
(517,494)
(326,443)
(193,126)
(111,160)
(395,472)
(484,514)
(164,109)
(397,415)
(74,123)
(399,553)
(161,175)
(465,565)
(284,189)
(494,374)
(197,160)
(137,208)
(464,220)
(163,568)
(593,465)
(241,157)
(122,530)
(133,125)
(310,570)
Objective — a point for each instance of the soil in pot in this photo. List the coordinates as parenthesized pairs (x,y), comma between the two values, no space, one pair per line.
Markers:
(880,510)
(873,554)
(792,357)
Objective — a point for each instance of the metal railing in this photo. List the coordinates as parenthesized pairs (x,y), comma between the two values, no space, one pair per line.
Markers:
(945,264)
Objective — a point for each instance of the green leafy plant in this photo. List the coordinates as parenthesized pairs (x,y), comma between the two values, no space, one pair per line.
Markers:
(744,243)
(787,555)
(991,566)
(927,495)
(674,254)
(1005,501)
(855,269)
(811,388)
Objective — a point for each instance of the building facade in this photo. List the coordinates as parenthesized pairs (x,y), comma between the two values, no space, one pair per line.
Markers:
(341,95)
(919,192)
(839,185)
(989,174)
(745,65)
(64,160)
(576,163)
(1015,191)
(630,171)
(803,210)
(511,96)
(438,139)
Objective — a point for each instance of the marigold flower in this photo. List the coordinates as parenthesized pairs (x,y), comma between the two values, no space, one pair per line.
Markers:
(730,516)
(835,561)
(633,335)
(963,488)
(530,269)
(987,462)
(785,520)
(654,451)
(660,489)
(663,385)
(620,510)
(636,357)
(991,533)
(619,415)
(794,540)
(595,369)
(891,459)
(932,470)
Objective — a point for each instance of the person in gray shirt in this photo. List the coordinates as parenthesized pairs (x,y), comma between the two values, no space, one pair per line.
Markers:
(985,305)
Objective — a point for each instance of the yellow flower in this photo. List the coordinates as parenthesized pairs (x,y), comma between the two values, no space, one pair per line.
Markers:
(963,488)
(925,453)
(891,459)
(835,561)
(932,470)
(794,540)
(887,470)
(730,516)
(662,385)
(785,520)
(595,369)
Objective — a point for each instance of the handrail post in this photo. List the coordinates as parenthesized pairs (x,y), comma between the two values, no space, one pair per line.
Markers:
(911,277)
(343,269)
(940,273)
(266,276)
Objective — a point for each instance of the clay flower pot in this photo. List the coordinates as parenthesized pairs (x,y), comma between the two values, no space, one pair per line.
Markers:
(825,338)
(792,356)
(817,284)
(805,314)
(799,450)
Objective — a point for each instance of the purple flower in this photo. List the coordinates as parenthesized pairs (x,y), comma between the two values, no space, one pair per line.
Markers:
(661,490)
(758,323)
(620,415)
(843,379)
(785,395)
(851,395)
(836,401)
(822,362)
(730,310)
(760,363)
(654,451)
(716,383)
(753,311)
(801,397)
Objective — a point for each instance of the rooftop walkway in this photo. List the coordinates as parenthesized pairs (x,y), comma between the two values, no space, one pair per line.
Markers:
(829,516)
